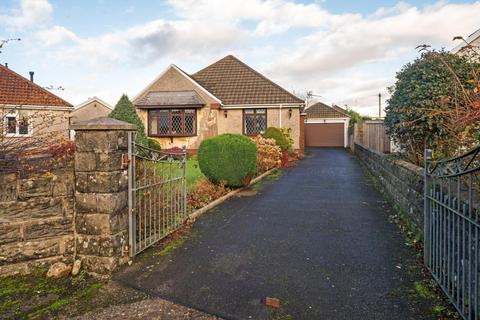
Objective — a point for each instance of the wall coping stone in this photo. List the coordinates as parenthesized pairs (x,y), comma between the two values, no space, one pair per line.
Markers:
(402,163)
(103,123)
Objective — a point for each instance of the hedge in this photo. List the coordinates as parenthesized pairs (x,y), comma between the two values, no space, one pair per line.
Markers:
(228,158)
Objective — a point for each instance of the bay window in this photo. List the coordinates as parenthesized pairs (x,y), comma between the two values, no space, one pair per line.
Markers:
(172,122)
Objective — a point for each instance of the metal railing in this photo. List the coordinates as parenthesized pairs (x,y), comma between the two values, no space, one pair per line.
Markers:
(451,228)
(157,190)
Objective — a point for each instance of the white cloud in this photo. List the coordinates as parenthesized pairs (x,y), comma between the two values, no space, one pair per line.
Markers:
(140,44)
(56,35)
(347,58)
(387,36)
(31,13)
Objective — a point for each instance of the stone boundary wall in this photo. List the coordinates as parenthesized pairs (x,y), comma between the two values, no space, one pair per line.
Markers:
(36,220)
(77,212)
(402,181)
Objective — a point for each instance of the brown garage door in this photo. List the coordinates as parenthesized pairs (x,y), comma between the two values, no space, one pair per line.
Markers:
(324,134)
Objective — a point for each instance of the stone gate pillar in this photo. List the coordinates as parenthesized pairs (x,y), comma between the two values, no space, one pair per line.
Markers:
(101,193)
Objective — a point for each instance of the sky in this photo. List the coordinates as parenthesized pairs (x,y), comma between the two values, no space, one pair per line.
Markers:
(346,52)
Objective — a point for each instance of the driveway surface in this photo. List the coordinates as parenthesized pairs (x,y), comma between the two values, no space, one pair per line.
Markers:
(318,238)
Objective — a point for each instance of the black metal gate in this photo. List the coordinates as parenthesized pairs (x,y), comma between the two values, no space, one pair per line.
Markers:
(157,194)
(451,228)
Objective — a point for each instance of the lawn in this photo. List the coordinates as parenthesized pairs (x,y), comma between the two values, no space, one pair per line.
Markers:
(175,171)
(193,173)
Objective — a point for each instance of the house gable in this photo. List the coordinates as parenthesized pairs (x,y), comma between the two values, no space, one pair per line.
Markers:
(90,109)
(320,110)
(174,79)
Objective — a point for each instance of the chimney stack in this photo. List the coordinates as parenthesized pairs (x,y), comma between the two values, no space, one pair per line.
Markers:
(31,75)
(6,65)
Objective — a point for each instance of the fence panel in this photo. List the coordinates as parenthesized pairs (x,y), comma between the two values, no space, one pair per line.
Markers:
(372,134)
(451,228)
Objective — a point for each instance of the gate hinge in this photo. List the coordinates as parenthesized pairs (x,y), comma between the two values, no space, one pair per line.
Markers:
(125,161)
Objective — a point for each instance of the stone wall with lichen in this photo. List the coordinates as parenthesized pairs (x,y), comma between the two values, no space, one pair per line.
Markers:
(401,180)
(77,212)
(36,219)
(101,197)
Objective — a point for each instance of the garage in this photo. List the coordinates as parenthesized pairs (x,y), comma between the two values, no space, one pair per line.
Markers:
(326,126)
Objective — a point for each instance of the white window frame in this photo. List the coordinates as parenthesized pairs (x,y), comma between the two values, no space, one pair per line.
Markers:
(16,114)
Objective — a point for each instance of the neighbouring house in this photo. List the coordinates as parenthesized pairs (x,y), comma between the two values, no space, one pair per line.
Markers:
(326,126)
(90,109)
(28,110)
(473,40)
(228,96)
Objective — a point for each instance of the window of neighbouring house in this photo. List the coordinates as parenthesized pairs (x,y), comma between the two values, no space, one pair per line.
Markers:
(17,124)
(254,121)
(172,122)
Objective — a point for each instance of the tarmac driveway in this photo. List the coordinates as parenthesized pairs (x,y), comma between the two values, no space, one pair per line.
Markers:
(317,237)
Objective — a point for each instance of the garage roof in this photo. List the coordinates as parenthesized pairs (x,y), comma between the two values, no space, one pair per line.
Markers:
(321,110)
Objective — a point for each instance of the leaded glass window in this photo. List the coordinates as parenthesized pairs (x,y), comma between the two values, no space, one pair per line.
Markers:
(172,122)
(254,121)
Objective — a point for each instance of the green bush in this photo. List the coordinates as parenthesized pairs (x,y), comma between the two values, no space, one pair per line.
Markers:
(153,144)
(228,158)
(125,111)
(278,136)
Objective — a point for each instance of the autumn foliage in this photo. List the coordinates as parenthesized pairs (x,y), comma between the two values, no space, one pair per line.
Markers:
(205,192)
(269,154)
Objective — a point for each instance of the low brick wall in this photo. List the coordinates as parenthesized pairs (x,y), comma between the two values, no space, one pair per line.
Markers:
(36,220)
(402,181)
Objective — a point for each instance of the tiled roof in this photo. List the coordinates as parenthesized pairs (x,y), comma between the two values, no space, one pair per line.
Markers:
(17,90)
(170,98)
(233,82)
(321,110)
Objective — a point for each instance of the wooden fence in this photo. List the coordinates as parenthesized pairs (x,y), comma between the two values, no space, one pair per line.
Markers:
(371,134)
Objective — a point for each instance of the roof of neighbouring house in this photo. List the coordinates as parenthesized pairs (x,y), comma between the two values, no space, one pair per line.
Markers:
(474,36)
(321,110)
(17,90)
(235,83)
(170,98)
(90,100)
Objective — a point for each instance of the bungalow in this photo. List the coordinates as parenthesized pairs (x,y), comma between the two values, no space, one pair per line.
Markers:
(28,110)
(225,97)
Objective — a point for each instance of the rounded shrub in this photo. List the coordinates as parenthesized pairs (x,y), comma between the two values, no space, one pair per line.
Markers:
(153,144)
(228,158)
(277,135)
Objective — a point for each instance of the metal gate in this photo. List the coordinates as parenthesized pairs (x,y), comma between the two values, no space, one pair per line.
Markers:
(157,194)
(451,228)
